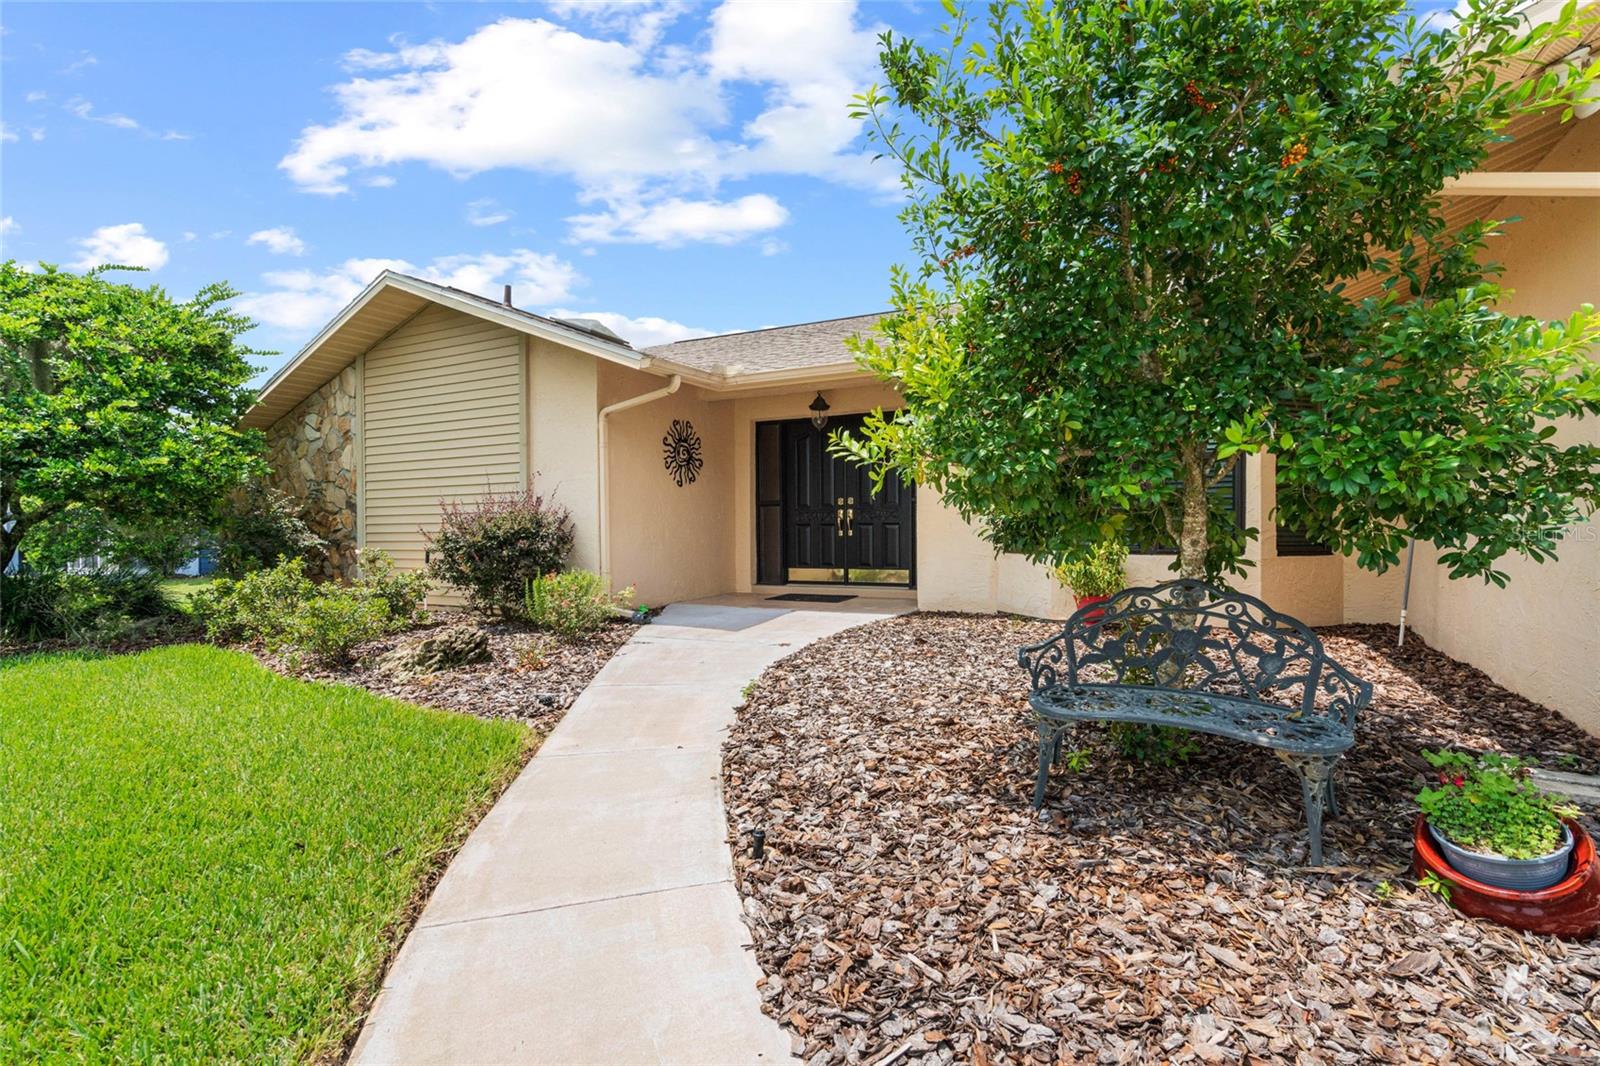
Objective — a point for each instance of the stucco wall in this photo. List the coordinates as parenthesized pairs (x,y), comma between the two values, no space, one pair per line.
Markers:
(1540,635)
(669,542)
(563,386)
(312,455)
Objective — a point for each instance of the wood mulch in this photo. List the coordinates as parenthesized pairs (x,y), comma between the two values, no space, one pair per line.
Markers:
(911,907)
(500,688)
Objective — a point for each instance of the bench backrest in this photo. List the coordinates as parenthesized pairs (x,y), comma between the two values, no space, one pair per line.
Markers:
(1189,635)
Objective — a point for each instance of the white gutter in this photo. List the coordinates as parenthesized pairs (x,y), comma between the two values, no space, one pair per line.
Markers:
(605,470)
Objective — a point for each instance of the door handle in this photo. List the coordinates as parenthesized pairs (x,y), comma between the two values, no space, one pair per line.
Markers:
(850,521)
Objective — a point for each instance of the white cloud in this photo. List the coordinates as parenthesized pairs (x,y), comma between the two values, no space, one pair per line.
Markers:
(642,22)
(279,240)
(643,332)
(124,245)
(37,96)
(7,133)
(304,299)
(657,138)
(486,212)
(85,110)
(84,61)
(35,133)
(773,246)
(8,225)
(675,221)
(505,96)
(380,181)
(189,235)
(813,59)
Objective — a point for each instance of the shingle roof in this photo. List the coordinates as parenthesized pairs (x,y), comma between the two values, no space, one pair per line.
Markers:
(778,348)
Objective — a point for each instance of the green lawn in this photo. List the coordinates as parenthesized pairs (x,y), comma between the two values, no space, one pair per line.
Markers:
(200,859)
(179,589)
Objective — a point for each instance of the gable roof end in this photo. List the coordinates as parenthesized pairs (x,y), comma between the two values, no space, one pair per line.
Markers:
(387,304)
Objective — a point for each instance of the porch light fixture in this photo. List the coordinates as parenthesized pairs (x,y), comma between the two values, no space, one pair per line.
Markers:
(819,411)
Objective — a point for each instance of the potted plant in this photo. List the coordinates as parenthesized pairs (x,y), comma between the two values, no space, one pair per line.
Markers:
(1095,575)
(1491,823)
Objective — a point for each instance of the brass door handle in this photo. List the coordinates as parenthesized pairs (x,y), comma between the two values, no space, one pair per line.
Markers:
(850,521)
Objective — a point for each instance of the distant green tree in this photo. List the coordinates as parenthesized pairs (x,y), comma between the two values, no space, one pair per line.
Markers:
(119,401)
(1133,218)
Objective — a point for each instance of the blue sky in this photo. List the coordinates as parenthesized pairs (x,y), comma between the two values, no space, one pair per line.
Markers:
(658,161)
(674,169)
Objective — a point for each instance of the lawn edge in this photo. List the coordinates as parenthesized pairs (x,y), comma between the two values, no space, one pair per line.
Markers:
(334,1044)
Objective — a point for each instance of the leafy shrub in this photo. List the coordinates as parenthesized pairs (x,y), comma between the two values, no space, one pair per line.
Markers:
(1099,571)
(572,603)
(98,607)
(1486,803)
(331,623)
(259,526)
(256,606)
(403,592)
(1152,745)
(80,532)
(492,549)
(294,616)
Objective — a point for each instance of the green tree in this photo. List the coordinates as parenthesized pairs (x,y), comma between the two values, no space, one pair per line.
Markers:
(1133,218)
(117,400)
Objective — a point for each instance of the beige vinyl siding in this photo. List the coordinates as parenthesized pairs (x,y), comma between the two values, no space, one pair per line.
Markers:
(441,418)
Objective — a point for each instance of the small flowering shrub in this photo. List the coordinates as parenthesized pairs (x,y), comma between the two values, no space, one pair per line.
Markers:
(1486,803)
(492,548)
(573,603)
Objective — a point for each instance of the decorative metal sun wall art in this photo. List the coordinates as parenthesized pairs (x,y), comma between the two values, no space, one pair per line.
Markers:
(680,452)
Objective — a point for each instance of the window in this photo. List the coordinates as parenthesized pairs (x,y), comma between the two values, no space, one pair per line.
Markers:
(1230,490)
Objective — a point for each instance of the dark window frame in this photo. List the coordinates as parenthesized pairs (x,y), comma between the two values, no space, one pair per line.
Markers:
(1236,481)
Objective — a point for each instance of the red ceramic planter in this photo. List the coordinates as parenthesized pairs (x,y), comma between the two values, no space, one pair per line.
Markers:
(1088,601)
(1569,908)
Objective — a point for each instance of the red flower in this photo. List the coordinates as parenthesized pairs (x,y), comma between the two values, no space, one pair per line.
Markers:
(1459,781)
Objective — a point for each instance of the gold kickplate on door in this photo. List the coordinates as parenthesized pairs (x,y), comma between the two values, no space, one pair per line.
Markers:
(816,573)
(880,577)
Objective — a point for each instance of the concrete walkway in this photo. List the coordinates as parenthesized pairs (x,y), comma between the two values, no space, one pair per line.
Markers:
(591,917)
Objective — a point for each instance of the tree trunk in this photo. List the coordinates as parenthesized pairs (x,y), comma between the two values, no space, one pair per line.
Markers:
(1194,538)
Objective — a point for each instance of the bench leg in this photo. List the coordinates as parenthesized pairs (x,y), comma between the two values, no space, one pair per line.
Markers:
(1049,748)
(1333,798)
(1316,779)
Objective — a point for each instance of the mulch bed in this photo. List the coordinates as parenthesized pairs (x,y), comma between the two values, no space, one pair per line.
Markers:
(911,906)
(499,688)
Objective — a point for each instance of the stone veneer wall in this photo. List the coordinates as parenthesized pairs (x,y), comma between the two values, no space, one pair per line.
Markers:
(312,452)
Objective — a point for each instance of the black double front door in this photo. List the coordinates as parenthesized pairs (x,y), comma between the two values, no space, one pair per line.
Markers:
(834,528)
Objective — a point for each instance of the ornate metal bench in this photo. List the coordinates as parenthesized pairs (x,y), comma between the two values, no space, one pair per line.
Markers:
(1188,655)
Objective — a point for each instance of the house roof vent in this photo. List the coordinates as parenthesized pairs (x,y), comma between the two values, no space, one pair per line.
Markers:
(592,325)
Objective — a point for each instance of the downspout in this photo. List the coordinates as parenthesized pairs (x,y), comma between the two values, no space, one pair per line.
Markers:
(605,466)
